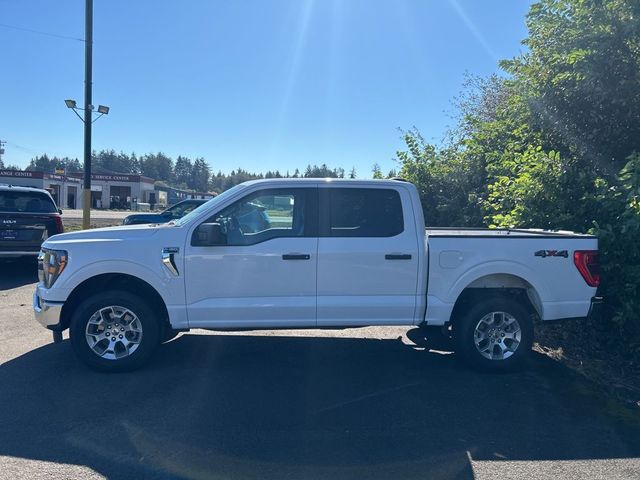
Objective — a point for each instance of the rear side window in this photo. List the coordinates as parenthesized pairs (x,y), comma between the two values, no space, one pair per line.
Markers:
(363,212)
(26,202)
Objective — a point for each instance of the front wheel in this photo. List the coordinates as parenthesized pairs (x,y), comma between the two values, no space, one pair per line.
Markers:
(495,334)
(114,331)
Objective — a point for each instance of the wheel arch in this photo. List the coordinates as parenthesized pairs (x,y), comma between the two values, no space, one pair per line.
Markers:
(114,281)
(498,285)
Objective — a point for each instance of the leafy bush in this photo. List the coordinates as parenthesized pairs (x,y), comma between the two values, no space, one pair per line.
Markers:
(450,188)
(620,253)
(555,144)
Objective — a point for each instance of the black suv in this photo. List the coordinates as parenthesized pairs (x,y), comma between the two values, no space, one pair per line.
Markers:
(28,216)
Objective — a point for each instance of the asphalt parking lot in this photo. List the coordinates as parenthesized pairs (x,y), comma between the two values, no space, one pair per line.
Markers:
(363,403)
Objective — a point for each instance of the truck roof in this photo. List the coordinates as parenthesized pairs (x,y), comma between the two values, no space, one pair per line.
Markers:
(351,181)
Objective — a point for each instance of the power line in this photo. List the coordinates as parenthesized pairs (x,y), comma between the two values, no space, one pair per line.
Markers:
(20,147)
(39,32)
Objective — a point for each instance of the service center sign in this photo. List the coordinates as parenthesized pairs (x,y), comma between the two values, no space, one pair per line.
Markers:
(111,178)
(114,178)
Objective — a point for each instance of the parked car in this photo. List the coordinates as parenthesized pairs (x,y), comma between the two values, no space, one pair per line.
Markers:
(28,216)
(330,254)
(172,213)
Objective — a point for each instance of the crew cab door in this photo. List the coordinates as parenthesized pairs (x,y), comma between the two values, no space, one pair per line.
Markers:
(367,257)
(263,271)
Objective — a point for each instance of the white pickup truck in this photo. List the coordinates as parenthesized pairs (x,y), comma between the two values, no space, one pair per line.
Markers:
(310,253)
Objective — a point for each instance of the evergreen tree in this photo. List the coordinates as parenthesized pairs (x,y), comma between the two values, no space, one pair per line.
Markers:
(200,175)
(183,172)
(377,172)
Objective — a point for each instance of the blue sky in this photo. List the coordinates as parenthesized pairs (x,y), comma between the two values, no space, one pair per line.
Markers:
(259,84)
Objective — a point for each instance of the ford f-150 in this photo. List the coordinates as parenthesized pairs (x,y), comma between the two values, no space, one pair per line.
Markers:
(310,253)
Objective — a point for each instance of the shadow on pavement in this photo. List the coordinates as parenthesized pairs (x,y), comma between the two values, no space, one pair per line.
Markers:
(232,406)
(16,273)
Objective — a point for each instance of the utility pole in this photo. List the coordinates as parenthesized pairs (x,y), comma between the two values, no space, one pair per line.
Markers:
(88,112)
(88,109)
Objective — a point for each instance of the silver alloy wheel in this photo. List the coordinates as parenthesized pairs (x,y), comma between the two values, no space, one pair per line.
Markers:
(114,332)
(497,335)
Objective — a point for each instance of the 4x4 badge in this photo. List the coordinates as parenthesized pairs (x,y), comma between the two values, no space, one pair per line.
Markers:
(552,253)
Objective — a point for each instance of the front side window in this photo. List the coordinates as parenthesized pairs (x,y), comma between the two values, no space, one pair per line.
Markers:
(265,215)
(363,212)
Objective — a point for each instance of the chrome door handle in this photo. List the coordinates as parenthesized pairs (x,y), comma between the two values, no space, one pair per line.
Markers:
(296,256)
(397,256)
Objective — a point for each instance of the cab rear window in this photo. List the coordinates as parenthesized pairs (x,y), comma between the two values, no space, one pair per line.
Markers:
(26,202)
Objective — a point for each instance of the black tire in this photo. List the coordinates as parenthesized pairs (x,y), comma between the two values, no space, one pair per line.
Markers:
(465,341)
(150,339)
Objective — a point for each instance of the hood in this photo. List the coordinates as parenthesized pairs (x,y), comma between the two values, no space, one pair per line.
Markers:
(107,234)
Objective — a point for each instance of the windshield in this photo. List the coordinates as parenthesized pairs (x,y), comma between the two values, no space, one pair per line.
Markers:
(214,201)
(181,209)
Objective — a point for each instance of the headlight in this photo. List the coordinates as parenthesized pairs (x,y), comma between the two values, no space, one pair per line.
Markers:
(51,263)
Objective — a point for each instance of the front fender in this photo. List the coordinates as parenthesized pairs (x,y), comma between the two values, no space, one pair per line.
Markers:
(170,288)
(154,278)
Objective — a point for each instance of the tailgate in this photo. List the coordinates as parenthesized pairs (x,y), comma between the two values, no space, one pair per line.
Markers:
(25,231)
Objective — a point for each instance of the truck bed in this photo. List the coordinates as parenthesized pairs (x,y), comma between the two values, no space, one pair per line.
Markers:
(541,261)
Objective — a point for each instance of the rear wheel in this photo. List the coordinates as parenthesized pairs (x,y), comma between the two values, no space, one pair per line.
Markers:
(494,334)
(114,331)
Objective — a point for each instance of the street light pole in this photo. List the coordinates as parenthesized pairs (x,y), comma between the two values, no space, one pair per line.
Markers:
(88,109)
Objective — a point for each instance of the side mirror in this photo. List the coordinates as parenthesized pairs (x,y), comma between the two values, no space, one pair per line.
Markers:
(208,235)
(60,211)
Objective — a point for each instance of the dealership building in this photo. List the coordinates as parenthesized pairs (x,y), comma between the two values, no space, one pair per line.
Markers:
(120,191)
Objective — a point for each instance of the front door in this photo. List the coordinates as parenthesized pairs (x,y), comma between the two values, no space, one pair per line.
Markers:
(367,257)
(263,272)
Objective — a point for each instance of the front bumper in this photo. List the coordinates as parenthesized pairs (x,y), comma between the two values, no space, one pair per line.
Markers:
(47,313)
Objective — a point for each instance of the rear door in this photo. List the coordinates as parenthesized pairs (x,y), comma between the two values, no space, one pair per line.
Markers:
(367,257)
